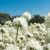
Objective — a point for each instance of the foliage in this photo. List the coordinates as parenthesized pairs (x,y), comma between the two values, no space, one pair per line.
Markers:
(4,17)
(37,19)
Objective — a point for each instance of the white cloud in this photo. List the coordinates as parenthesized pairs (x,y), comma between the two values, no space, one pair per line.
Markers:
(49,14)
(27,15)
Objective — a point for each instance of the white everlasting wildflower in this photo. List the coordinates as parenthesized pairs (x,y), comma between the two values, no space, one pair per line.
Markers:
(39,31)
(11,47)
(18,35)
(0,37)
(48,46)
(21,37)
(22,23)
(2,45)
(28,34)
(8,23)
(34,44)
(5,31)
(24,48)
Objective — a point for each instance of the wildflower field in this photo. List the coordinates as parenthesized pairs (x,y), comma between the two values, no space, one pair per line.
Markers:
(18,35)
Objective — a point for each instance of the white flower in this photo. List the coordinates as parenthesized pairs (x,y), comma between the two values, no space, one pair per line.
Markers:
(5,31)
(18,35)
(48,46)
(1,37)
(12,47)
(34,44)
(21,37)
(24,48)
(2,45)
(22,23)
(28,34)
(8,23)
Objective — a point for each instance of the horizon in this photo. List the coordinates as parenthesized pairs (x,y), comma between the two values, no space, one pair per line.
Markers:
(17,7)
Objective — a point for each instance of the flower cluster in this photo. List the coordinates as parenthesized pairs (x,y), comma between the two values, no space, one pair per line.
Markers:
(17,35)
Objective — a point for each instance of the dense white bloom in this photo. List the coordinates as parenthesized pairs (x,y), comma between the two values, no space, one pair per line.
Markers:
(8,23)
(39,31)
(22,23)
(11,47)
(5,31)
(28,35)
(21,37)
(24,48)
(2,45)
(0,37)
(34,44)
(18,35)
(46,46)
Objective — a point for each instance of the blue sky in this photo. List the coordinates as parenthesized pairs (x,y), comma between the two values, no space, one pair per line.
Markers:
(17,7)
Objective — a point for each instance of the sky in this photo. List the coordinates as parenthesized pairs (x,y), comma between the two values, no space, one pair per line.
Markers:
(17,7)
